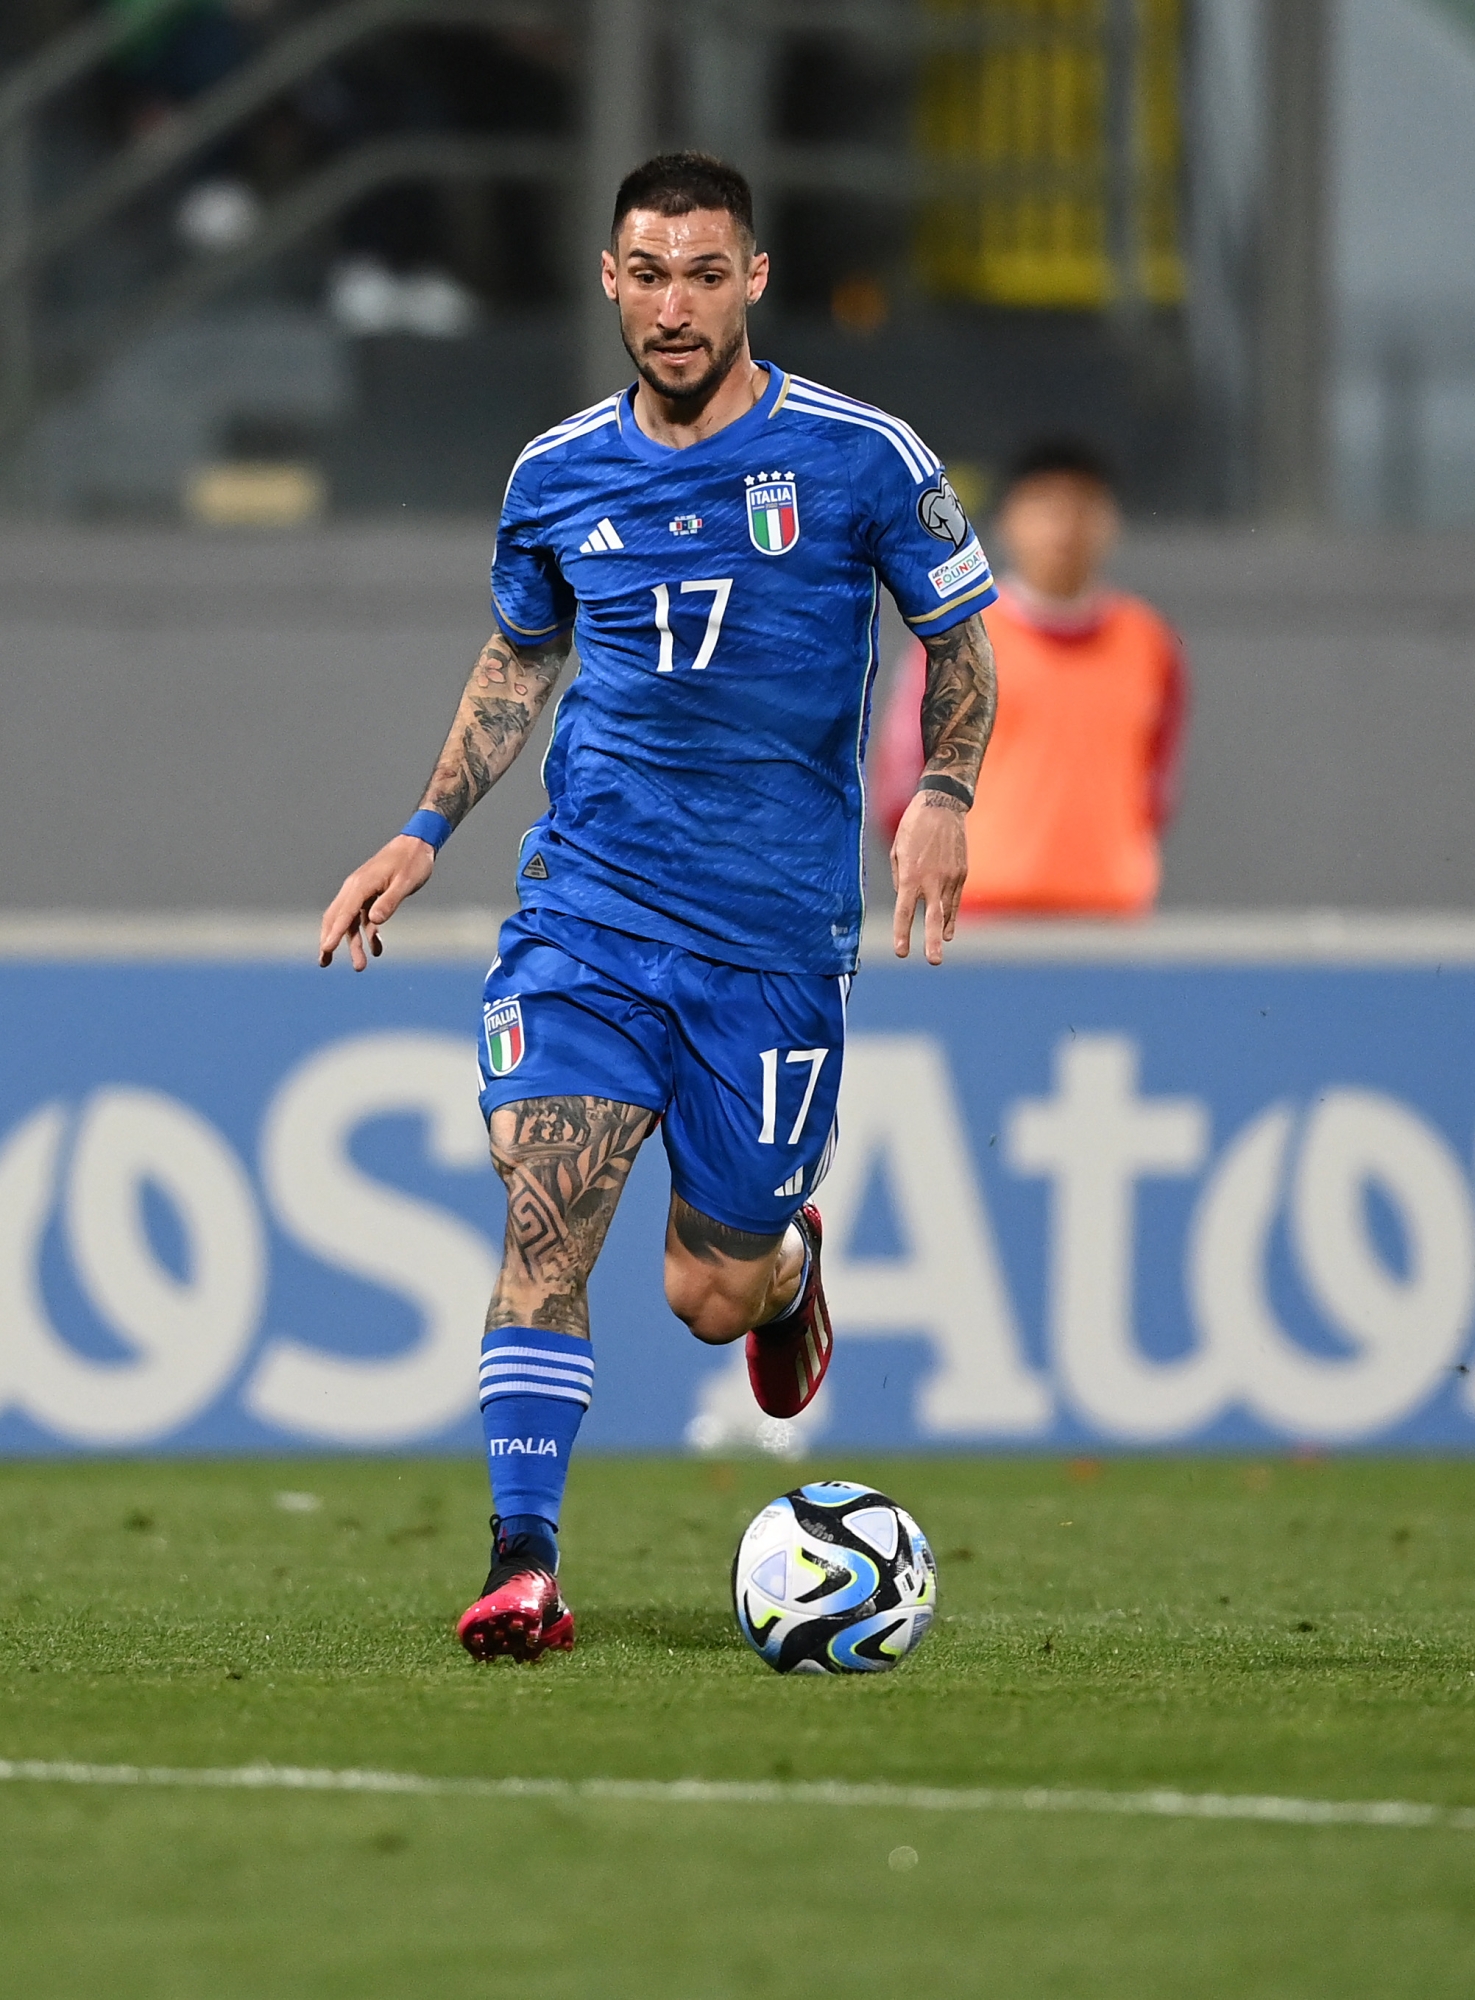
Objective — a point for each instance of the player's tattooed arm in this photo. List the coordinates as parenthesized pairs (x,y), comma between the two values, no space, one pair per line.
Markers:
(504,697)
(564,1162)
(507,691)
(929,857)
(958,708)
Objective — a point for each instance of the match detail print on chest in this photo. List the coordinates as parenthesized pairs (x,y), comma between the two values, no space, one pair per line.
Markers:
(712,525)
(758,511)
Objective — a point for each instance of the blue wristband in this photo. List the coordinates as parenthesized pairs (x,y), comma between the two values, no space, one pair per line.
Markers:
(431,827)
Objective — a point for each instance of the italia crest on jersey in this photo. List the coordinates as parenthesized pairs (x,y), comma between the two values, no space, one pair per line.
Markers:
(505,1043)
(773,512)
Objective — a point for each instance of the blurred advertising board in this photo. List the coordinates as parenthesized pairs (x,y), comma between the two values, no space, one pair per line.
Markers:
(1185,1187)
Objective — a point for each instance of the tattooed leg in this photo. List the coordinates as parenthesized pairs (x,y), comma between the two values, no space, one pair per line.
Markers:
(564,1162)
(722,1281)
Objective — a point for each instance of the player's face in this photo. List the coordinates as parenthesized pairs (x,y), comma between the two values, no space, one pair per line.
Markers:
(683,284)
(1057,528)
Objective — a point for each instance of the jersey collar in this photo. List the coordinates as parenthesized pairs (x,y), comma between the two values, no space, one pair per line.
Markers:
(740,432)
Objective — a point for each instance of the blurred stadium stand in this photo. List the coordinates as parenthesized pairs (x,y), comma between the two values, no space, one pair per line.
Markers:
(1233,236)
(1230,238)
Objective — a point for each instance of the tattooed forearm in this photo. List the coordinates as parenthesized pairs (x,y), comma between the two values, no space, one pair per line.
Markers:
(564,1162)
(502,700)
(958,705)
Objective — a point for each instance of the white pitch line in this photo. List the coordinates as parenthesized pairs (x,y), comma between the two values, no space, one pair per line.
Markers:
(705,1791)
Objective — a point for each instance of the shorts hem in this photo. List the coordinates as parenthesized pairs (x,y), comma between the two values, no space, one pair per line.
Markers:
(506,1090)
(731,1220)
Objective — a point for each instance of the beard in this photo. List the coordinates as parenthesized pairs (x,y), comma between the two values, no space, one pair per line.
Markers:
(719,363)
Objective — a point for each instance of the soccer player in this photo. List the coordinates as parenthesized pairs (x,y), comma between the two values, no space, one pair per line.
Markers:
(714,540)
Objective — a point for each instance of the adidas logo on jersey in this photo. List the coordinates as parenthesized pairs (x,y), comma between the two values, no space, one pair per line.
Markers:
(793,1185)
(602,539)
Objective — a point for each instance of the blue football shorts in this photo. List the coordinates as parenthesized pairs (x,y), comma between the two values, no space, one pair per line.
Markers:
(743,1067)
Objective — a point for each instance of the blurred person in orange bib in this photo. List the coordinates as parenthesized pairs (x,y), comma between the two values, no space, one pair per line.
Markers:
(1081,775)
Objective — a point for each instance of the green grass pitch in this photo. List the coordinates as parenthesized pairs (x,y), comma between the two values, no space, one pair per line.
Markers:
(1306,1629)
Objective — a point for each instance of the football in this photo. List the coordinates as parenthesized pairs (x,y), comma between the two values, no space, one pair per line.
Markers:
(833,1578)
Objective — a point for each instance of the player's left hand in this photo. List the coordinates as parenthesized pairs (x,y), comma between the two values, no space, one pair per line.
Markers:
(929,864)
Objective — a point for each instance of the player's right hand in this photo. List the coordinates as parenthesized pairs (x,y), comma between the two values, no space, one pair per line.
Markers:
(370,897)
(929,865)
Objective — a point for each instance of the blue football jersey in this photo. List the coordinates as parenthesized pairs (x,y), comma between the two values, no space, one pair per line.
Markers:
(706,774)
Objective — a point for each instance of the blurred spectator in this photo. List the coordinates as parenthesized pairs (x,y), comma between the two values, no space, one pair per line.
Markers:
(1081,776)
(173,53)
(413,255)
(390,275)
(176,53)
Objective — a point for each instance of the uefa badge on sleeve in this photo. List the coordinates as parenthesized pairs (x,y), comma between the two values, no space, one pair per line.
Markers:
(505,1044)
(773,512)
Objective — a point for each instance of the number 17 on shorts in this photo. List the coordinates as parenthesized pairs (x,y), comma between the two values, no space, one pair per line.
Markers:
(815,1058)
(810,1063)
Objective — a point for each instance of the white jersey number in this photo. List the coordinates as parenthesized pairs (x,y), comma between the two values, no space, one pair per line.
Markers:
(769,1059)
(721,589)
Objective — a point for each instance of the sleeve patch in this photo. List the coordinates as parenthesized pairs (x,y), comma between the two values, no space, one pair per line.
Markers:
(965,567)
(941,513)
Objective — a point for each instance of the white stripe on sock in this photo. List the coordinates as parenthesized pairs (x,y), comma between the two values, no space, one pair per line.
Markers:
(554,1374)
(539,1354)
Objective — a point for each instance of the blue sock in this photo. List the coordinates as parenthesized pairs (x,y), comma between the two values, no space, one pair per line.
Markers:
(535,1388)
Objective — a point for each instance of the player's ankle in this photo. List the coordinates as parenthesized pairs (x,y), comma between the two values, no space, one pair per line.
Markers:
(785,1294)
(529,1536)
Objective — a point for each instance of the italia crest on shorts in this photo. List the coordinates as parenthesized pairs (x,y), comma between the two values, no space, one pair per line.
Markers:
(773,512)
(505,1042)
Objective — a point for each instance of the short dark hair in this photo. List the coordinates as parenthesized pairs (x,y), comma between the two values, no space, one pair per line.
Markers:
(1061,454)
(676,183)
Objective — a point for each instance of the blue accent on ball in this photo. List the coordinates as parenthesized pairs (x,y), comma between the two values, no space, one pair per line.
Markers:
(865,1581)
(833,1492)
(842,1648)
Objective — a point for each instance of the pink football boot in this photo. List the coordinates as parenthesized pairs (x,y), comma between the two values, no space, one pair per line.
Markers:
(787,1359)
(519,1615)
